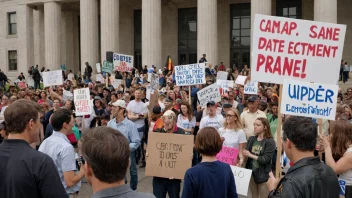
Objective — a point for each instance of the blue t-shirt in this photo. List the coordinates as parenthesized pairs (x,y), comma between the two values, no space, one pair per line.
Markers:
(209,179)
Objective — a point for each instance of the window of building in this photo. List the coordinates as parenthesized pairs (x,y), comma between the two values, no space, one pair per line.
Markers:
(240,19)
(137,38)
(12,21)
(187,35)
(289,8)
(12,60)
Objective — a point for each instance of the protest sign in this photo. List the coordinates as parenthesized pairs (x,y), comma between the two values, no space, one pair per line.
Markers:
(154,81)
(242,179)
(193,74)
(67,95)
(123,62)
(100,78)
(51,78)
(240,80)
(82,102)
(225,85)
(313,100)
(222,75)
(169,155)
(21,85)
(209,93)
(98,67)
(116,83)
(107,67)
(228,155)
(30,81)
(251,88)
(286,48)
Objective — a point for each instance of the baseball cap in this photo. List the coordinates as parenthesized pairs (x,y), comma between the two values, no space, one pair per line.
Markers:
(252,99)
(210,103)
(227,105)
(119,103)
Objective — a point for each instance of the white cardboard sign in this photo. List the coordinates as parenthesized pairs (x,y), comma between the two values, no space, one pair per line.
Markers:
(225,84)
(313,100)
(209,93)
(83,104)
(98,67)
(67,95)
(193,74)
(286,48)
(251,88)
(221,75)
(51,78)
(242,179)
(123,62)
(240,80)
(117,83)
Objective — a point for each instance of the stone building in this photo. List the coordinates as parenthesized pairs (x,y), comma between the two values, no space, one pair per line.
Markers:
(49,33)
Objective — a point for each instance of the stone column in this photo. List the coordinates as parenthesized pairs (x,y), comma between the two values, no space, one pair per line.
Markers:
(52,22)
(109,17)
(325,11)
(63,39)
(25,54)
(39,42)
(151,33)
(76,44)
(89,17)
(207,30)
(69,41)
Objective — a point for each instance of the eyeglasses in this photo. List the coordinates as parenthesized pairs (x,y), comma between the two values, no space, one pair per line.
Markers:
(229,116)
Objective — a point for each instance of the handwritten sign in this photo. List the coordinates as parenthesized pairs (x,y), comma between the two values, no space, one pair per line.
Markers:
(222,75)
(100,78)
(228,155)
(107,67)
(51,78)
(123,62)
(286,48)
(242,179)
(98,67)
(240,80)
(225,85)
(154,81)
(82,102)
(21,85)
(67,95)
(209,93)
(169,155)
(116,83)
(193,74)
(313,100)
(251,88)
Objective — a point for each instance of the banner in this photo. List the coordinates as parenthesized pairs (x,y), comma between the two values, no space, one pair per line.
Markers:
(169,155)
(193,74)
(123,62)
(209,93)
(251,88)
(228,155)
(222,75)
(21,85)
(286,48)
(51,78)
(67,95)
(83,104)
(225,85)
(98,67)
(313,100)
(107,67)
(242,179)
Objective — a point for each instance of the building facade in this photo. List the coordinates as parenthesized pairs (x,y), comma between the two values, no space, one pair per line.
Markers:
(49,33)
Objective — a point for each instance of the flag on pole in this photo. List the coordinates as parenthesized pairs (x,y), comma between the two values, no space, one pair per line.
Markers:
(168,64)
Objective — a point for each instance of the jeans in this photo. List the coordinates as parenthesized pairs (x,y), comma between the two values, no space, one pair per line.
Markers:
(133,171)
(36,85)
(140,149)
(345,76)
(163,186)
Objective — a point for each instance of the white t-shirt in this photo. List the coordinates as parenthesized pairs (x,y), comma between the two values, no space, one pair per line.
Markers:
(216,122)
(233,138)
(137,108)
(70,76)
(185,123)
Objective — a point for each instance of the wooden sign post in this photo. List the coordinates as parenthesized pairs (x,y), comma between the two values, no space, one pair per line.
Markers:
(278,137)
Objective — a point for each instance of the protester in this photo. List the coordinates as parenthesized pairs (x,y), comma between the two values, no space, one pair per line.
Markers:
(308,177)
(248,117)
(210,178)
(259,152)
(24,165)
(105,171)
(129,130)
(212,119)
(58,147)
(338,153)
(185,119)
(233,134)
(88,72)
(3,132)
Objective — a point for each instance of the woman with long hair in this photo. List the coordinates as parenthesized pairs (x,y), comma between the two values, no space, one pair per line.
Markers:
(186,120)
(233,134)
(260,150)
(210,178)
(347,114)
(44,99)
(338,153)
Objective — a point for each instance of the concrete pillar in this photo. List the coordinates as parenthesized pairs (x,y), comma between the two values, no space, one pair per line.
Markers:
(52,22)
(325,11)
(89,33)
(151,33)
(63,37)
(25,53)
(207,30)
(76,53)
(69,41)
(224,40)
(109,17)
(38,37)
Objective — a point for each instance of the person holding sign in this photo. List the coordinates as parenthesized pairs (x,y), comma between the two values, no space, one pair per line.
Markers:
(308,177)
(260,150)
(210,178)
(233,134)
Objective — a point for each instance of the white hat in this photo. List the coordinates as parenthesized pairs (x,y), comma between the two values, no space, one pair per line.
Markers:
(119,103)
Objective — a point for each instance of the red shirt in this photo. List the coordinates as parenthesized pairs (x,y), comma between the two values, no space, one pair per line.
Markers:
(222,68)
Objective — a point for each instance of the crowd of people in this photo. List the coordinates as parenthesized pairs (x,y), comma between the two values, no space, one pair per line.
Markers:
(103,146)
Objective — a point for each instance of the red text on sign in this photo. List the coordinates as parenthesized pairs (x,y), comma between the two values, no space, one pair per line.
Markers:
(324,33)
(271,45)
(279,27)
